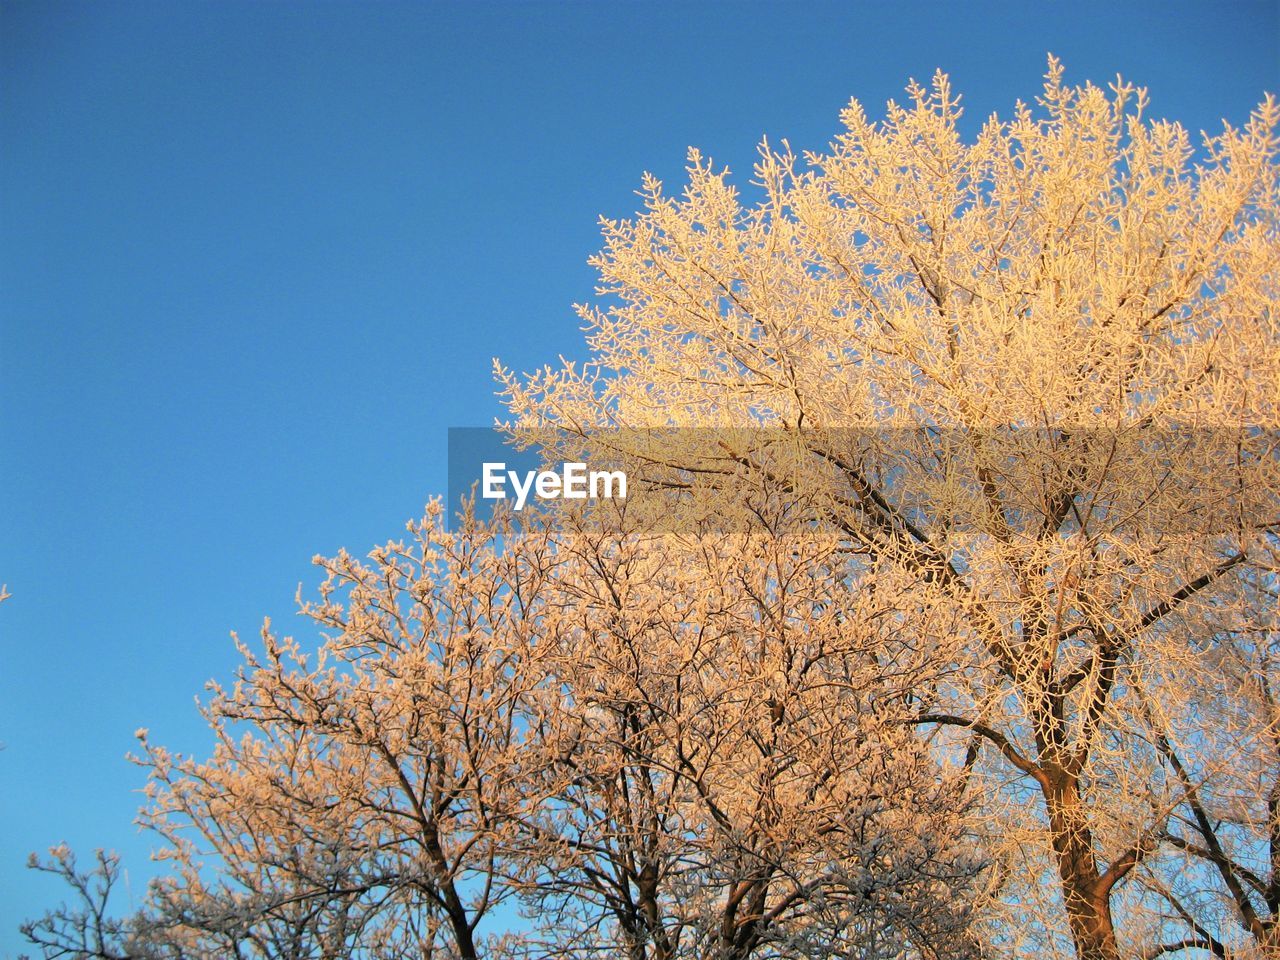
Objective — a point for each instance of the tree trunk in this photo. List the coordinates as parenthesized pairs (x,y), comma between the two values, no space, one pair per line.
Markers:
(1088,903)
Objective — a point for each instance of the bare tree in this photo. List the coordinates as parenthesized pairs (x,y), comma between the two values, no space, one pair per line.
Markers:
(85,928)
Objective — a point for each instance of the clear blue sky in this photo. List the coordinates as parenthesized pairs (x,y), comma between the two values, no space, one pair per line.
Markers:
(255,260)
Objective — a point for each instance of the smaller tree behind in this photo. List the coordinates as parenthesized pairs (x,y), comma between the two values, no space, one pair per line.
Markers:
(662,746)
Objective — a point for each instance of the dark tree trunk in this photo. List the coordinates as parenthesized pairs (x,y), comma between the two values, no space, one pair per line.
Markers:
(1088,900)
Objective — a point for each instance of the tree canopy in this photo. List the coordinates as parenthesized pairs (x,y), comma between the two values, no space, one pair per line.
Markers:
(969,648)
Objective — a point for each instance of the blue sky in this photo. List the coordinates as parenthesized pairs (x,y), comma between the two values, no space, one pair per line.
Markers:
(255,259)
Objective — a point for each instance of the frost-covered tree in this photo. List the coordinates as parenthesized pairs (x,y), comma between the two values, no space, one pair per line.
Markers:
(1037,373)
(659,746)
(939,623)
(730,764)
(365,787)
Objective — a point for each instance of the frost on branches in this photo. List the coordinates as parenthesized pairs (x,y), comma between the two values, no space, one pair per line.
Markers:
(1037,375)
(988,670)
(655,748)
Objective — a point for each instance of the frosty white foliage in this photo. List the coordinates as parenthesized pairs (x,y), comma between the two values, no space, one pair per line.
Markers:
(1034,381)
(985,667)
